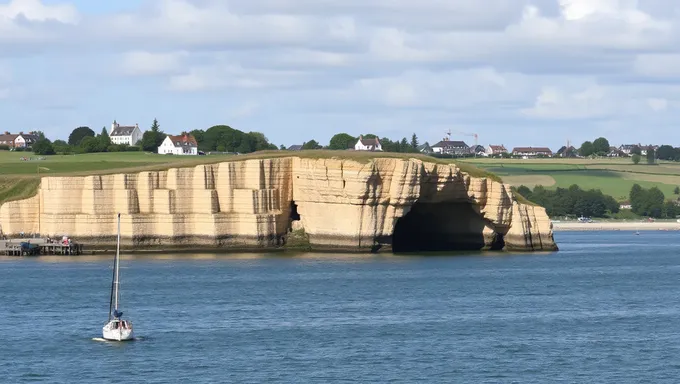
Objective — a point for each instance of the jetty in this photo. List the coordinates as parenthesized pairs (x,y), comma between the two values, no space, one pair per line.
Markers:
(39,246)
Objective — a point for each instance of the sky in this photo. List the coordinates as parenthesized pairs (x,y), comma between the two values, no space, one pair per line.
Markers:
(514,72)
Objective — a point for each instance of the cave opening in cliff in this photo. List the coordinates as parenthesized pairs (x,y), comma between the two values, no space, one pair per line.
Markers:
(442,226)
(294,215)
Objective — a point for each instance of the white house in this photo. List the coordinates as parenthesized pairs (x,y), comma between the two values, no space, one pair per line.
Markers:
(368,144)
(184,144)
(125,134)
(495,150)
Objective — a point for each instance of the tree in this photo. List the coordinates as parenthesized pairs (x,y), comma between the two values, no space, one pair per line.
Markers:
(155,127)
(636,159)
(403,146)
(571,201)
(104,140)
(43,147)
(666,152)
(342,141)
(636,150)
(648,202)
(282,147)
(311,144)
(259,142)
(677,190)
(60,146)
(651,158)
(78,134)
(414,142)
(89,145)
(153,138)
(601,146)
(586,149)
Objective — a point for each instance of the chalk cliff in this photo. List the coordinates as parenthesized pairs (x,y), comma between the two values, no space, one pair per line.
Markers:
(383,204)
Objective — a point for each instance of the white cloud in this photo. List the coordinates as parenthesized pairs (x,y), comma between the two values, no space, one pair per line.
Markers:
(489,63)
(35,10)
(657,104)
(224,74)
(244,110)
(141,63)
(657,65)
(554,103)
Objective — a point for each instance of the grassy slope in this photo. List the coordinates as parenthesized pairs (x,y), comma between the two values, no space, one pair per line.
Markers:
(614,177)
(19,179)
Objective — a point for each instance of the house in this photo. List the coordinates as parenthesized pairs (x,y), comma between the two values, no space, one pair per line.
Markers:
(625,205)
(495,150)
(125,134)
(295,147)
(184,144)
(628,148)
(424,148)
(449,147)
(478,150)
(531,151)
(645,148)
(367,144)
(567,151)
(615,152)
(18,140)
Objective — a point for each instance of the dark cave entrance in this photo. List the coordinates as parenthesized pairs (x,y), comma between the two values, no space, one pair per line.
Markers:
(442,226)
(294,215)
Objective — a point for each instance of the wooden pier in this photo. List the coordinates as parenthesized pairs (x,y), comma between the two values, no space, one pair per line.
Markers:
(35,247)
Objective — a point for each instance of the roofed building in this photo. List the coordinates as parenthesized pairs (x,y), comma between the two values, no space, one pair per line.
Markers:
(184,144)
(495,150)
(368,144)
(125,134)
(532,151)
(19,140)
(449,147)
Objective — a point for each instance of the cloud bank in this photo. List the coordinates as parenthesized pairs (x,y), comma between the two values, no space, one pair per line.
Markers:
(516,72)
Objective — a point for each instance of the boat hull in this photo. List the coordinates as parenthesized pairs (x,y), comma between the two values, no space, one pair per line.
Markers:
(109,332)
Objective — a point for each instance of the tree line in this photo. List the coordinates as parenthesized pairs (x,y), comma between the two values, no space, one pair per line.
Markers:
(220,138)
(343,141)
(574,201)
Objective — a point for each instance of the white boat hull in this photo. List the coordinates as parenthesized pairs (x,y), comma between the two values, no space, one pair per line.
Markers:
(110,332)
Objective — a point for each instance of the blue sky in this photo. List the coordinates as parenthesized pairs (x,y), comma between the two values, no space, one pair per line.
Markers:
(516,72)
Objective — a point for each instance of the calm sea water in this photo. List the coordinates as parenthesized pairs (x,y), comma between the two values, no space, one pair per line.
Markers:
(605,309)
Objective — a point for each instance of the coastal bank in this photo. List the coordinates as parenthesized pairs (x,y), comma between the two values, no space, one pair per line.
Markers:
(374,205)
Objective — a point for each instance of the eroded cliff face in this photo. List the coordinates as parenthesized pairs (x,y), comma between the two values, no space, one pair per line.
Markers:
(387,203)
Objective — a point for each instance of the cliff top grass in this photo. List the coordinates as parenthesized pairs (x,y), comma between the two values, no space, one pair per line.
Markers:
(129,162)
(20,171)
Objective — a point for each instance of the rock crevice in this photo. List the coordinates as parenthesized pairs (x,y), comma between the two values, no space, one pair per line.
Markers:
(387,203)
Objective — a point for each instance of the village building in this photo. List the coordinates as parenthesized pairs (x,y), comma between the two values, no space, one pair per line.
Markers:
(184,144)
(368,144)
(125,134)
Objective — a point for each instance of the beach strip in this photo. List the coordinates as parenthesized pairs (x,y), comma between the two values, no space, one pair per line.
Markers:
(616,226)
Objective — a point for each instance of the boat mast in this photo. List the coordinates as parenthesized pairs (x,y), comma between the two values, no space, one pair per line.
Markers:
(117,272)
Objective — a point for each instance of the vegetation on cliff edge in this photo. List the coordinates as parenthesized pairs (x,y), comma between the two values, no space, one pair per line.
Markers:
(17,188)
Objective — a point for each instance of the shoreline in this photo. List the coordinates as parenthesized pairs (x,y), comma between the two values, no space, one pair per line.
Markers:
(616,226)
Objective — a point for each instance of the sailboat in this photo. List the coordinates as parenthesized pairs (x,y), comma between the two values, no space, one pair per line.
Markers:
(117,329)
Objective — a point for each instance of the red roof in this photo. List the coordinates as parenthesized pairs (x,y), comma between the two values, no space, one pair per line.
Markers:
(184,139)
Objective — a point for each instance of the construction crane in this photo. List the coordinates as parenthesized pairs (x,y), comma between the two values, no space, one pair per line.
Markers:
(448,135)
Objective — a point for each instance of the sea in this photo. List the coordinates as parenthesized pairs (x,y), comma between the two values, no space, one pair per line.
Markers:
(603,309)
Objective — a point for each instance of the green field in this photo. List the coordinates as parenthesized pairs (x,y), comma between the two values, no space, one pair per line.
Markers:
(19,178)
(614,177)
